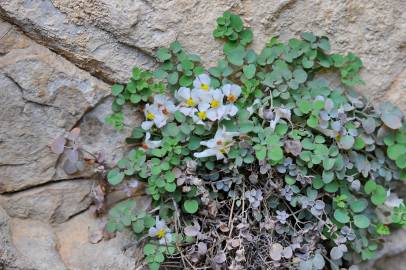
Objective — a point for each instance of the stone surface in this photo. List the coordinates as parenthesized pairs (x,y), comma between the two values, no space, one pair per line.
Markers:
(36,243)
(10,258)
(91,48)
(43,95)
(57,75)
(53,203)
(77,252)
(375,30)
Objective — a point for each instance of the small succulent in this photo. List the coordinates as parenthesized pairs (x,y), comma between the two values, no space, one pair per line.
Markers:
(254,196)
(282,216)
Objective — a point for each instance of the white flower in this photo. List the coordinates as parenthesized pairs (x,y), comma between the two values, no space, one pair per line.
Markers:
(202,82)
(161,231)
(188,101)
(393,200)
(148,144)
(212,106)
(231,92)
(165,104)
(279,114)
(219,145)
(159,112)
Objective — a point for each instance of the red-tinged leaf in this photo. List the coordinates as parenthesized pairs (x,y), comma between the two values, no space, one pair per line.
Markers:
(73,155)
(74,134)
(58,145)
(70,167)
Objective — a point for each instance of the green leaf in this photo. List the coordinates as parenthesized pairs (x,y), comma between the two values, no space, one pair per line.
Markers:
(149,249)
(191,206)
(370,186)
(175,46)
(309,37)
(300,75)
(135,98)
(154,266)
(276,153)
(246,36)
(116,89)
(138,226)
(401,161)
(155,170)
(249,71)
(115,177)
(149,221)
(396,150)
(341,216)
(194,142)
(261,153)
(312,121)
(359,205)
(328,163)
(185,81)
(173,78)
(305,106)
(170,187)
(361,221)
(163,54)
(236,56)
(180,117)
(290,180)
(236,22)
(379,196)
(171,129)
(170,176)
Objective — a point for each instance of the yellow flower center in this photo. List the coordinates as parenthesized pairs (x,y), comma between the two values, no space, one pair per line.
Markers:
(214,103)
(150,116)
(202,115)
(190,102)
(231,98)
(161,233)
(204,87)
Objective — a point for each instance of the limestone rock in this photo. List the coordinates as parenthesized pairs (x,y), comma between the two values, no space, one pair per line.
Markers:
(37,243)
(77,251)
(43,95)
(10,258)
(91,48)
(372,29)
(97,136)
(53,203)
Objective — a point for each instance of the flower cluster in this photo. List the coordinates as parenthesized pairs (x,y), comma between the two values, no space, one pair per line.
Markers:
(258,162)
(202,103)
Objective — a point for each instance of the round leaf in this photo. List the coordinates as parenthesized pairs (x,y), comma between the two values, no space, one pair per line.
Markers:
(115,177)
(359,205)
(341,216)
(361,221)
(191,206)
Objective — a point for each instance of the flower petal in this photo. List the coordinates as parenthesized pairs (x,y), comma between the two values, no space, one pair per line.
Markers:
(146,125)
(205,153)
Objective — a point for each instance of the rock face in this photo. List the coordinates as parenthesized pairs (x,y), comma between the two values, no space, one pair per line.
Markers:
(58,59)
(54,203)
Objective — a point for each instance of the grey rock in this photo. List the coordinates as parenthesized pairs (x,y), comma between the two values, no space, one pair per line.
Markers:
(78,250)
(43,96)
(375,30)
(89,47)
(10,258)
(37,243)
(52,203)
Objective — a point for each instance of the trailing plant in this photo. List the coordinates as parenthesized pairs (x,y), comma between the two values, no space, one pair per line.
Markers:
(258,162)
